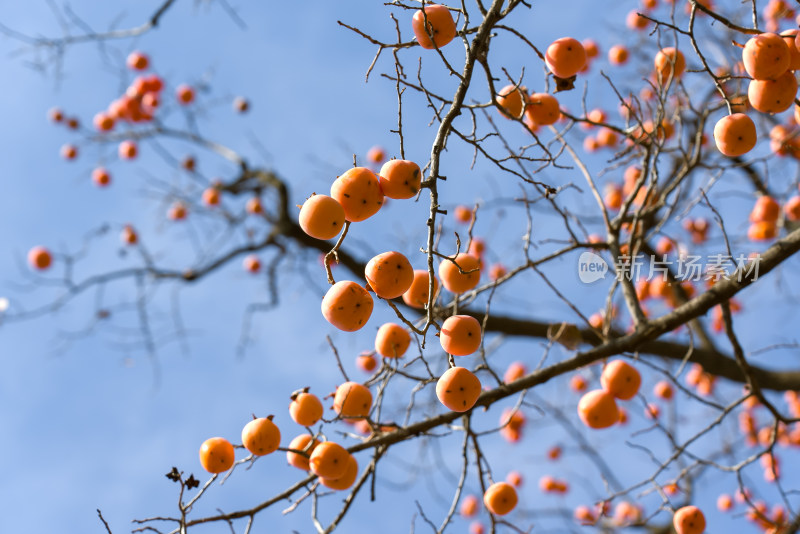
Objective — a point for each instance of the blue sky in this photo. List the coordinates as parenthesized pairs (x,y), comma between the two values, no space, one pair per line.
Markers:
(86,425)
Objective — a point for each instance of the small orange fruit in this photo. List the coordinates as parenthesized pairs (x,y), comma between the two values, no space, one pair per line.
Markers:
(669,62)
(458,389)
(127,150)
(329,460)
(469,506)
(565,57)
(773,96)
(689,520)
(621,379)
(305,409)
(618,55)
(542,109)
(359,192)
(128,235)
(512,101)
(735,135)
(389,274)
(352,400)
(663,390)
(216,455)
(305,443)
(321,217)
(101,177)
(392,340)
(457,281)
(400,178)
(347,306)
(137,61)
(366,362)
(346,480)
(184,94)
(440,25)
(261,436)
(252,264)
(40,258)
(766,56)
(598,409)
(211,196)
(416,295)
(500,498)
(460,335)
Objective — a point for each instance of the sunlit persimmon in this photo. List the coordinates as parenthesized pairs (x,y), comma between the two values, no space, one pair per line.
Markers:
(663,390)
(766,209)
(762,231)
(55,115)
(103,122)
(251,264)
(359,192)
(305,408)
(366,362)
(389,274)
(515,371)
(607,137)
(137,61)
(773,96)
(321,216)
(416,295)
(500,498)
(440,25)
(461,274)
(514,478)
(127,149)
(460,335)
(497,271)
(346,480)
(352,400)
(129,235)
(626,513)
(469,506)
(735,135)
(39,258)
(584,515)
(347,306)
(635,22)
(612,197)
(217,455)
(69,152)
(185,94)
(543,109)
(400,178)
(669,63)
(789,37)
(689,520)
(618,55)
(101,177)
(621,379)
(458,389)
(211,196)
(565,57)
(590,47)
(329,460)
(511,100)
(578,383)
(177,211)
(304,443)
(598,409)
(463,214)
(792,208)
(261,436)
(241,104)
(392,340)
(765,56)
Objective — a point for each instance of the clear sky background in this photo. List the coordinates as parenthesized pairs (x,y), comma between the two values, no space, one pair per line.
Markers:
(85,422)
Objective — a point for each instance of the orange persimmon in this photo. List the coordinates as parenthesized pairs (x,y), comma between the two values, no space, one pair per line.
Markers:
(458,389)
(217,455)
(347,306)
(261,436)
(460,335)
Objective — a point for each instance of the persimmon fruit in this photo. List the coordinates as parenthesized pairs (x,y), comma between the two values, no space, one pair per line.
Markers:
(40,258)
(773,96)
(321,216)
(621,379)
(305,443)
(346,480)
(458,389)
(735,135)
(347,306)
(261,436)
(598,409)
(565,57)
(389,274)
(766,56)
(305,409)
(466,279)
(416,295)
(511,100)
(352,400)
(359,192)
(217,455)
(500,498)
(440,25)
(329,460)
(689,520)
(400,178)
(460,335)
(392,340)
(669,62)
(542,109)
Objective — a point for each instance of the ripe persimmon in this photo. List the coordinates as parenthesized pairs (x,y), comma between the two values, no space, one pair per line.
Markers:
(598,409)
(663,390)
(254,206)
(735,135)
(621,379)
(542,109)
(347,306)
(137,61)
(305,408)
(500,498)
(177,211)
(511,100)
(389,274)
(251,264)
(514,478)
(460,335)
(565,57)
(765,56)
(766,209)
(392,340)
(241,104)
(400,178)
(457,281)
(618,55)
(792,208)
(304,443)
(211,196)
(789,37)
(39,258)
(103,122)
(762,231)
(217,455)
(359,192)
(773,96)
(669,62)
(416,295)
(440,25)
(321,216)
(69,152)
(101,177)
(261,436)
(329,460)
(127,150)
(185,94)
(129,235)
(689,520)
(469,506)
(458,389)
(346,480)
(366,362)
(55,115)
(515,371)
(352,400)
